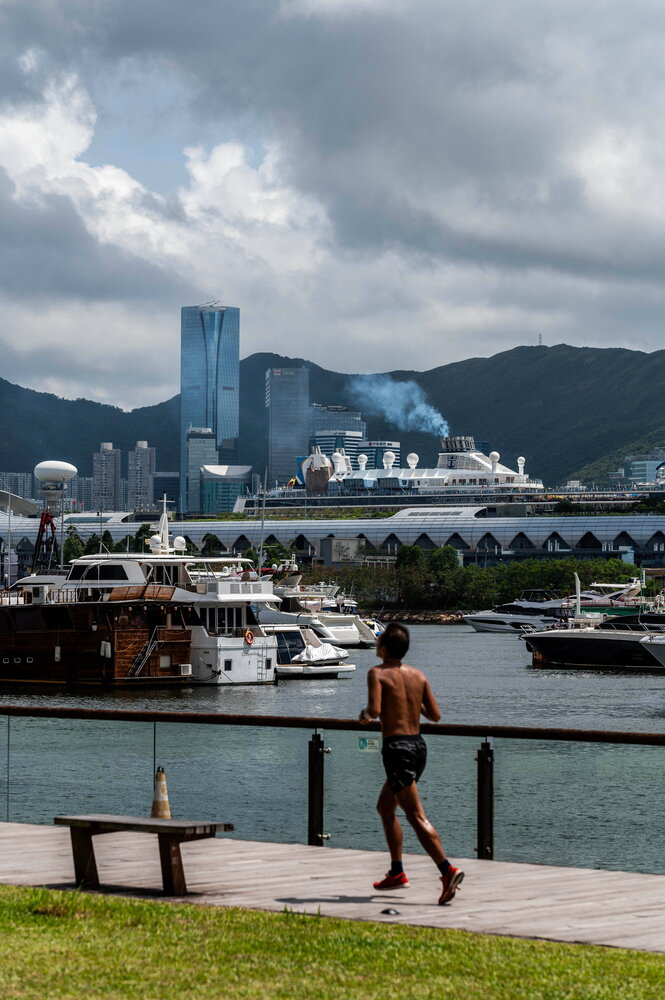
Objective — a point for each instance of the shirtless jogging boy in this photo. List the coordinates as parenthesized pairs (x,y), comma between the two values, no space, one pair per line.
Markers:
(398,694)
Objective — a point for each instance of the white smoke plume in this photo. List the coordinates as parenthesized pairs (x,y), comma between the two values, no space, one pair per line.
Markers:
(404,404)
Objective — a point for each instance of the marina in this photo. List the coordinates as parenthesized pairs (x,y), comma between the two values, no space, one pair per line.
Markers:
(162,618)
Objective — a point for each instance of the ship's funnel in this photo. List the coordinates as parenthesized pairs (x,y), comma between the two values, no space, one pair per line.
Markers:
(458,444)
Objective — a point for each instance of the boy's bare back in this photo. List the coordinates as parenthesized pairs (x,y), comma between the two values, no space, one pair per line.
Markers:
(398,694)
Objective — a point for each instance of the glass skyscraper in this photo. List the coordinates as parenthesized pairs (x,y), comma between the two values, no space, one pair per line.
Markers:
(287,401)
(201,450)
(335,418)
(209,381)
(335,427)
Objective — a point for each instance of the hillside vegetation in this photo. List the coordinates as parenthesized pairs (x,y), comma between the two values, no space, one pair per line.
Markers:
(598,471)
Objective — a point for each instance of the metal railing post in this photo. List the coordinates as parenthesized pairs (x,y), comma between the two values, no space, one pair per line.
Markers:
(315,834)
(485,821)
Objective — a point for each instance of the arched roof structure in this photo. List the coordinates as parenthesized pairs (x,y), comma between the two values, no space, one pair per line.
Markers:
(406,526)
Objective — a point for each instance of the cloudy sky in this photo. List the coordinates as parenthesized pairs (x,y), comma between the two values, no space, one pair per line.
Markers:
(378,184)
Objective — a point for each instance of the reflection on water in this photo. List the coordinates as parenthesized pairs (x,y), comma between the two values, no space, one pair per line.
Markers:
(566,804)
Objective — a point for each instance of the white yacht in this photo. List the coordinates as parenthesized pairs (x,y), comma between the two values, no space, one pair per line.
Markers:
(302,605)
(161,617)
(537,609)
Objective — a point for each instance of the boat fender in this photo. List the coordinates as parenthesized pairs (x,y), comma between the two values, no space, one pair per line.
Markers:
(249,637)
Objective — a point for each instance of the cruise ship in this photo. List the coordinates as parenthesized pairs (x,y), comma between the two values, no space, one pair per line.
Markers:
(461,469)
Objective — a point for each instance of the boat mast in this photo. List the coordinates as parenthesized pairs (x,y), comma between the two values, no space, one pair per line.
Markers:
(263,518)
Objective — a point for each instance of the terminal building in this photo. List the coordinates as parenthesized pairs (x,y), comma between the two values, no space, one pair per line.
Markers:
(479,536)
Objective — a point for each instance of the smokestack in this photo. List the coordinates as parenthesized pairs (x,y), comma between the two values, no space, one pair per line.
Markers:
(458,444)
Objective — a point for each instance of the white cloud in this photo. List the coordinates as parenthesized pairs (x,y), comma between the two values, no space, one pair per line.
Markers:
(377,184)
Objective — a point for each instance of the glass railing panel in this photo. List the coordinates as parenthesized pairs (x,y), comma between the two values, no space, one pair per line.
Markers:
(579,804)
(72,766)
(255,778)
(355,775)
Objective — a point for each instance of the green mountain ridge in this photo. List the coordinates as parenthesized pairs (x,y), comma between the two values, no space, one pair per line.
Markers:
(567,409)
(598,471)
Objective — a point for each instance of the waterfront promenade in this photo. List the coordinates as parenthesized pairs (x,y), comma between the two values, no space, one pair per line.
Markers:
(620,909)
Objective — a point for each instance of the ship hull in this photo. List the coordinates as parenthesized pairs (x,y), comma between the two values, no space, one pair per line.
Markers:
(592,649)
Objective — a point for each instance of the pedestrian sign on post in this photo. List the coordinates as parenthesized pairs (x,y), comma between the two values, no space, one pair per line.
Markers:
(368,744)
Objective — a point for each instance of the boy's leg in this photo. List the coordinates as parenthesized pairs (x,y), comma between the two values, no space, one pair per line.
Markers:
(387,810)
(409,800)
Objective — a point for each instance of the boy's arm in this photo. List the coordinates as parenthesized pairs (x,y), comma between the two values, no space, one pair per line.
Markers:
(373,710)
(430,709)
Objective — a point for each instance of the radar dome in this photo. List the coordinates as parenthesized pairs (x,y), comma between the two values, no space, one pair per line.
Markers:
(494,456)
(412,460)
(179,543)
(521,460)
(55,472)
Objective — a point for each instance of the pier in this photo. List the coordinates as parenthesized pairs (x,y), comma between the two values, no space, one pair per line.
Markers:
(617,909)
(292,864)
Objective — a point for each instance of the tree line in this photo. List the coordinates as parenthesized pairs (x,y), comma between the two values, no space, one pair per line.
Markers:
(435,579)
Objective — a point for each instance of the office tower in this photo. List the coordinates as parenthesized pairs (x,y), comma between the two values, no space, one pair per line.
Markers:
(335,418)
(331,441)
(200,450)
(21,484)
(640,470)
(166,482)
(80,491)
(375,451)
(106,489)
(221,485)
(335,427)
(209,382)
(287,402)
(141,465)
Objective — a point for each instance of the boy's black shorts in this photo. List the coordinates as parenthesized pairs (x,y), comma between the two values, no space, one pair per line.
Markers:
(404,758)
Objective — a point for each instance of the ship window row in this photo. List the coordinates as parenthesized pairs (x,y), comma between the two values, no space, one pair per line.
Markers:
(96,572)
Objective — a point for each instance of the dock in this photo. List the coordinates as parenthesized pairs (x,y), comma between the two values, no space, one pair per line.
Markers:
(576,905)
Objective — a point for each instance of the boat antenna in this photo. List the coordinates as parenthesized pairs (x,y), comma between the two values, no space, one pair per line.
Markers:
(578,601)
(263,518)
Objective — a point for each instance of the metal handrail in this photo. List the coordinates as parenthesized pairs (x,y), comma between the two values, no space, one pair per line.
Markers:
(317,750)
(317,723)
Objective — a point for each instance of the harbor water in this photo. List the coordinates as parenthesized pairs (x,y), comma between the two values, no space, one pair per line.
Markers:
(584,805)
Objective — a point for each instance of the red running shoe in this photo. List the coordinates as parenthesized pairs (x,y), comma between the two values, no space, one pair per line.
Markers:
(450,884)
(393,882)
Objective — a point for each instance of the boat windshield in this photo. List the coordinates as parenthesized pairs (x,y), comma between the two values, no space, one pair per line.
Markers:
(202,570)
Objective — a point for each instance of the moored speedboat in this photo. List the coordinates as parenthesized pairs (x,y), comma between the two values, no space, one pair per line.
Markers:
(618,643)
(302,654)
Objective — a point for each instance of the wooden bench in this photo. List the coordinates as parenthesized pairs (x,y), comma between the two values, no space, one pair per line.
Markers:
(171,833)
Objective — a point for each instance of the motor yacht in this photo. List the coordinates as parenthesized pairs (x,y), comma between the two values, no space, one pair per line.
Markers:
(301,605)
(620,642)
(160,617)
(532,609)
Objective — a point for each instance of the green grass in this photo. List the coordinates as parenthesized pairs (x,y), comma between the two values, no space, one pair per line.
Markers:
(70,944)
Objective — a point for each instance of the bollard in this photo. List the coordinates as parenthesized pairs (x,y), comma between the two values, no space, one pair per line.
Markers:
(161,808)
(485,820)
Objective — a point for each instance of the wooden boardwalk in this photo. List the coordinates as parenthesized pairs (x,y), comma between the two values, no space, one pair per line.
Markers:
(621,909)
